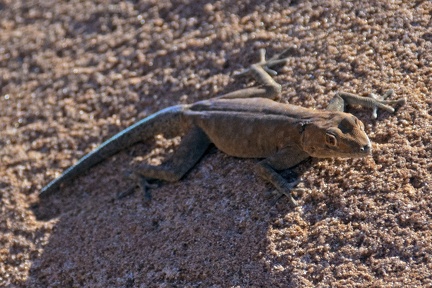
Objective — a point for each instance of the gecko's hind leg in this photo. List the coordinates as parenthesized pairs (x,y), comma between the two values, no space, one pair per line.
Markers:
(262,72)
(192,147)
(277,60)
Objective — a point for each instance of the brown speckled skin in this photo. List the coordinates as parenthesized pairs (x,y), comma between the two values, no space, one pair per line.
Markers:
(259,128)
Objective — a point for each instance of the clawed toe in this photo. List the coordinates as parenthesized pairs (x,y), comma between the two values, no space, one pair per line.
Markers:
(290,189)
(276,60)
(280,195)
(380,98)
(128,192)
(141,183)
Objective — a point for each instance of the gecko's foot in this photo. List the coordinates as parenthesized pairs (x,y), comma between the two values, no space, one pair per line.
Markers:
(141,183)
(276,60)
(382,98)
(288,192)
(385,104)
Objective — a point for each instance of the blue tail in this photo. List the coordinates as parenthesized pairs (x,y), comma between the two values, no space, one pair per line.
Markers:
(165,121)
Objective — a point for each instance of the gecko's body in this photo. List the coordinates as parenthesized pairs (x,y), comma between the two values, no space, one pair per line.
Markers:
(245,123)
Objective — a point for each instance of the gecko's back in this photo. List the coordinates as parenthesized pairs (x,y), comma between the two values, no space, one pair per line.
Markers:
(250,128)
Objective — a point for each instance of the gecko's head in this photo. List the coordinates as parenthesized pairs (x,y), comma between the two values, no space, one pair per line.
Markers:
(338,135)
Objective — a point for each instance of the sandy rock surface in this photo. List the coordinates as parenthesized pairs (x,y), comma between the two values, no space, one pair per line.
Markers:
(74,73)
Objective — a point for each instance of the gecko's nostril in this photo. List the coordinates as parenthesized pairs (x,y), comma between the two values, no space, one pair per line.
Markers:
(366,148)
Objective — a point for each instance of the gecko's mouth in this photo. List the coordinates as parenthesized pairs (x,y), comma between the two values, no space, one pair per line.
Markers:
(360,153)
(364,152)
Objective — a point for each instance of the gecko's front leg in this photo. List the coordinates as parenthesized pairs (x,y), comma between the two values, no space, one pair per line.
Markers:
(282,160)
(283,187)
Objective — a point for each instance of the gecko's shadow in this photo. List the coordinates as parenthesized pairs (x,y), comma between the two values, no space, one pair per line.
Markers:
(188,227)
(205,218)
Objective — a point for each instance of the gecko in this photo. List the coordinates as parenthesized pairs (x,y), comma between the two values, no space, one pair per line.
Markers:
(246,123)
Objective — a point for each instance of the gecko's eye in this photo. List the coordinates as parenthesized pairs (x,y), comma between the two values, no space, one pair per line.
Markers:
(331,140)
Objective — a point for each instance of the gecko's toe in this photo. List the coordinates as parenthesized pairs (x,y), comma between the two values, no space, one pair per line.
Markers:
(288,192)
(291,51)
(292,189)
(146,187)
(279,196)
(275,61)
(123,194)
(141,183)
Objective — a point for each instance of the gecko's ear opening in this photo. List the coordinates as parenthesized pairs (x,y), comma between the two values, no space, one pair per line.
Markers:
(331,140)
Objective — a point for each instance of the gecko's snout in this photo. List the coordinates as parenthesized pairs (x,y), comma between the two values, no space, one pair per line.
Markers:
(367,149)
